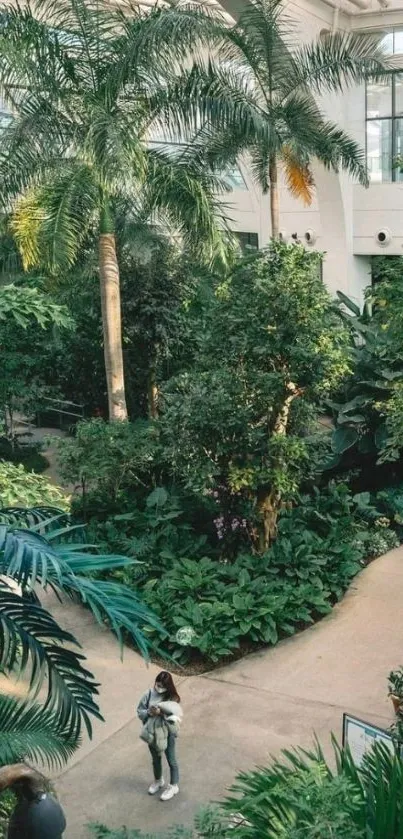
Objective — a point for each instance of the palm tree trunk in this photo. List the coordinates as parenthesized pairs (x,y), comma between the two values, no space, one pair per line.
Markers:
(111,319)
(274,199)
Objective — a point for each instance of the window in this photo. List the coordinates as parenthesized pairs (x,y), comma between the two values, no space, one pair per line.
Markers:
(5,115)
(384,119)
(392,42)
(234,178)
(232,174)
(248,241)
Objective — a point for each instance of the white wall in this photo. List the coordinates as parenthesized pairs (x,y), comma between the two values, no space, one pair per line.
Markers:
(344,217)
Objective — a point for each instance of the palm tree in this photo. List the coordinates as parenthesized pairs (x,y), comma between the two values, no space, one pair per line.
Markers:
(89,86)
(259,99)
(38,549)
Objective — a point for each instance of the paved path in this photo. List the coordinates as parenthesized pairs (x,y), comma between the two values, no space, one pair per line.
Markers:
(38,435)
(234,717)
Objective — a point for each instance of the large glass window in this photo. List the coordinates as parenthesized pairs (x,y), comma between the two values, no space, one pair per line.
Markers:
(384,112)
(392,42)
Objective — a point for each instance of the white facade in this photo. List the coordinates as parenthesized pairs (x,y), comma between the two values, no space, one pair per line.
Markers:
(346,221)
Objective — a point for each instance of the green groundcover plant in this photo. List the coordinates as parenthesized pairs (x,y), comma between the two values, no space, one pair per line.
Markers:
(301,796)
(219,607)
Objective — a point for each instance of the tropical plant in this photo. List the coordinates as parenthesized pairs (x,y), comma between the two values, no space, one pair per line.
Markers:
(107,459)
(7,804)
(38,548)
(25,304)
(21,488)
(235,429)
(220,605)
(26,315)
(89,86)
(390,504)
(260,91)
(300,796)
(370,391)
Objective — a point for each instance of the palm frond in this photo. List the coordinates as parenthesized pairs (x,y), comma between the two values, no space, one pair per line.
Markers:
(33,557)
(30,732)
(261,41)
(31,54)
(206,98)
(36,519)
(259,163)
(115,605)
(336,150)
(32,643)
(51,222)
(157,44)
(189,197)
(310,135)
(335,62)
(298,176)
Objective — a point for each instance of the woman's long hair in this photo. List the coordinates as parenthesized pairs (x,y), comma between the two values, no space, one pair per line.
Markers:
(166,681)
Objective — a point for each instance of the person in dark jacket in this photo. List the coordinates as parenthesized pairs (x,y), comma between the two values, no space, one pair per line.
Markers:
(37,814)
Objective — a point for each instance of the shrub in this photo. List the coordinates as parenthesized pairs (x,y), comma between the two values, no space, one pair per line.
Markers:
(26,489)
(108,460)
(301,796)
(390,502)
(377,542)
(156,529)
(218,606)
(239,428)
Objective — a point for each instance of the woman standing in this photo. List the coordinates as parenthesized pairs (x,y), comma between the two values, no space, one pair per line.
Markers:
(162,701)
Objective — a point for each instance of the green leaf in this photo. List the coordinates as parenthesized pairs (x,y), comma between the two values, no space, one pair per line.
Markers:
(157,498)
(31,642)
(31,732)
(381,436)
(344,439)
(349,304)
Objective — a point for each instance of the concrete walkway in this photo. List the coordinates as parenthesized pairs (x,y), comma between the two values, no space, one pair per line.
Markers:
(234,717)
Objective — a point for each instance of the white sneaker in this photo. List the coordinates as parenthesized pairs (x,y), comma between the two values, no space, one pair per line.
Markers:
(156,786)
(171,790)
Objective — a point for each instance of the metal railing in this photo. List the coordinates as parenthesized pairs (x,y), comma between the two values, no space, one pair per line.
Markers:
(62,408)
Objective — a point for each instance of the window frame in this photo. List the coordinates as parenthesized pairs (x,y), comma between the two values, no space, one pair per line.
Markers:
(392,119)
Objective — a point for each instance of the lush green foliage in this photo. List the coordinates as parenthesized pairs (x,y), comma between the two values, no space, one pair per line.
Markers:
(233,428)
(26,315)
(7,804)
(26,489)
(301,796)
(185,493)
(222,607)
(159,289)
(24,304)
(109,459)
(72,165)
(361,434)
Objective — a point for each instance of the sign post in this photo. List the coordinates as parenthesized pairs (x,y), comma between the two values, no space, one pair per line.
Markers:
(360,736)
